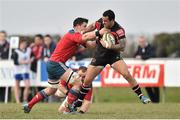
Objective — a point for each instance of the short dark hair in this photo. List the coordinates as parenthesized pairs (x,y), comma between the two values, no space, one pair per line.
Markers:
(39,36)
(49,36)
(110,14)
(4,32)
(79,21)
(83,68)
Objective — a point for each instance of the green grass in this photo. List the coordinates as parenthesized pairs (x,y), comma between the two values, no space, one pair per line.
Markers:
(126,95)
(97,111)
(110,103)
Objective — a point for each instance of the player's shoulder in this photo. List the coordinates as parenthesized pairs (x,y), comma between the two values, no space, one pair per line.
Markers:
(72,32)
(118,26)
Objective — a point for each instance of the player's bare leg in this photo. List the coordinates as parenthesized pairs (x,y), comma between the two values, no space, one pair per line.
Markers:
(122,68)
(92,72)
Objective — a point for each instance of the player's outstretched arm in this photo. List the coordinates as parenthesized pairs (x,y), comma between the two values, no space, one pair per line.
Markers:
(90,36)
(90,28)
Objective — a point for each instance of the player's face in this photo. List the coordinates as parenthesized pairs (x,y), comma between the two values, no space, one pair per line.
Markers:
(83,26)
(107,23)
(82,74)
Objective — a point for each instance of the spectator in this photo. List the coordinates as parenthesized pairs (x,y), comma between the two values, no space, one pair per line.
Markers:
(4,53)
(21,58)
(4,46)
(146,51)
(49,47)
(37,48)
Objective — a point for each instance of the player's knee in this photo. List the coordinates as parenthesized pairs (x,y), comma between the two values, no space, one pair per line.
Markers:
(50,91)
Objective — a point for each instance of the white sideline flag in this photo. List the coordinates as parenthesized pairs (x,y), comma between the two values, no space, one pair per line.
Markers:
(14,42)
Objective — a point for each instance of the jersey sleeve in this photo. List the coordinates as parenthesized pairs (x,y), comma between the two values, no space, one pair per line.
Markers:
(120,33)
(77,37)
(98,24)
(89,95)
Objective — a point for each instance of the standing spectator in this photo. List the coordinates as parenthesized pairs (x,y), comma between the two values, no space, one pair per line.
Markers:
(21,58)
(36,54)
(146,51)
(4,46)
(4,53)
(37,48)
(49,47)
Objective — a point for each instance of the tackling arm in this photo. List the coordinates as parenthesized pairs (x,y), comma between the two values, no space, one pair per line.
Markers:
(91,44)
(90,28)
(90,36)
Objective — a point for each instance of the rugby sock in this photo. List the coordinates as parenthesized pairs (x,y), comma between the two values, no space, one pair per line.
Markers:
(84,90)
(138,91)
(72,96)
(38,97)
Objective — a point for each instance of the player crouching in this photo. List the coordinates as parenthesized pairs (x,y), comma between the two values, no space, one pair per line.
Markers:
(64,89)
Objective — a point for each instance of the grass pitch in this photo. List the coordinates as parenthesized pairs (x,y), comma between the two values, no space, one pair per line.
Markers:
(97,111)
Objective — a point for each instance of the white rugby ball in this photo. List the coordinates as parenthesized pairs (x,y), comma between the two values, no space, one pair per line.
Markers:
(107,40)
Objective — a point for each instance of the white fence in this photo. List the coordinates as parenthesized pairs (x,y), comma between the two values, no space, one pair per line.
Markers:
(153,72)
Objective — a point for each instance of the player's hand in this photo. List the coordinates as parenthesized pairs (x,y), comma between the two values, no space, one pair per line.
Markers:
(103,30)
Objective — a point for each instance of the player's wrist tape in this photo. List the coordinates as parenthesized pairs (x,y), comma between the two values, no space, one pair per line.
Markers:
(97,34)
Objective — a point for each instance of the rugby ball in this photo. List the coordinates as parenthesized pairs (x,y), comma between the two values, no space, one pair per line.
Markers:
(107,40)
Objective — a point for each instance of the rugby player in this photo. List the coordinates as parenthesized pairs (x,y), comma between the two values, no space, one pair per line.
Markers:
(111,56)
(65,87)
(56,67)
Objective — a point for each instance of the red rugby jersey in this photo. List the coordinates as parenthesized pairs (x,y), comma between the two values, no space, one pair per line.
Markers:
(67,46)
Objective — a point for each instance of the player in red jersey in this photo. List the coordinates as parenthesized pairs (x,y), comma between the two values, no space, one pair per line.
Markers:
(111,56)
(56,67)
(64,88)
